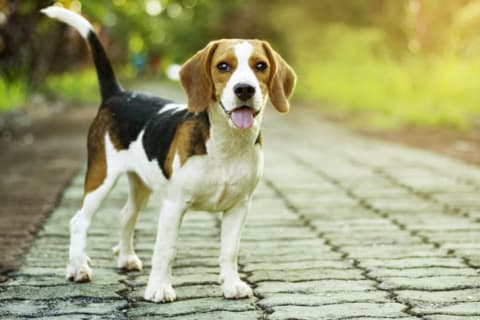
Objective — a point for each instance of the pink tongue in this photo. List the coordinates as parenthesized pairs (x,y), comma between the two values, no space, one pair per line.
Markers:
(242,118)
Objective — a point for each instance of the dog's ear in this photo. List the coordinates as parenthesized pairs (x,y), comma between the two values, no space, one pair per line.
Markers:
(196,78)
(282,80)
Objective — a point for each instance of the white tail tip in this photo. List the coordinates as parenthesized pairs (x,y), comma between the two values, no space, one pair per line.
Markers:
(69,17)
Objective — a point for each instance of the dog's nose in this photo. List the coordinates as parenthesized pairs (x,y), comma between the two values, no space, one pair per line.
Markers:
(244,91)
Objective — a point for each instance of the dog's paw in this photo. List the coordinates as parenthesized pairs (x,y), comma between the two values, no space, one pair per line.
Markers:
(158,292)
(236,290)
(131,262)
(79,272)
(128,262)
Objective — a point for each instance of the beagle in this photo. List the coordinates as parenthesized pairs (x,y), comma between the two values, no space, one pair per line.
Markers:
(206,155)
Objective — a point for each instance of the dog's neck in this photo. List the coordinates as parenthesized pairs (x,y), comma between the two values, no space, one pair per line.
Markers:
(227,140)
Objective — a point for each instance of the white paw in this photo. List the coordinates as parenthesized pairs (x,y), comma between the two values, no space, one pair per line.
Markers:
(79,272)
(236,290)
(157,292)
(130,262)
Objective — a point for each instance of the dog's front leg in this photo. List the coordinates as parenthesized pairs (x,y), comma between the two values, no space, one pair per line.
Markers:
(232,225)
(159,286)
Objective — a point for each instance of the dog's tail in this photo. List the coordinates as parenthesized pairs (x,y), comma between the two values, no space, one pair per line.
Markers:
(109,85)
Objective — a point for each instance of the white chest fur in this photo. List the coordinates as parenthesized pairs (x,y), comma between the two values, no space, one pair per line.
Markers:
(220,183)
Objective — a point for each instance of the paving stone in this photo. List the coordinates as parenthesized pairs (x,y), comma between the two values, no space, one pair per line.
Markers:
(404,205)
(448,317)
(423,272)
(76,316)
(339,311)
(60,292)
(431,283)
(454,236)
(191,306)
(391,251)
(292,256)
(41,277)
(421,297)
(320,250)
(316,286)
(320,264)
(301,299)
(77,305)
(462,308)
(217,315)
(305,274)
(413,263)
(376,238)
(442,221)
(334,213)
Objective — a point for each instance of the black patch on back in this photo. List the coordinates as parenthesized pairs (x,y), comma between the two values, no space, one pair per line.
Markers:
(131,112)
(159,135)
(160,132)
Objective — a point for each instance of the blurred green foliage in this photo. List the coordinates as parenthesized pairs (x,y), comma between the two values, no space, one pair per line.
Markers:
(79,87)
(356,75)
(398,63)
(13,94)
(172,29)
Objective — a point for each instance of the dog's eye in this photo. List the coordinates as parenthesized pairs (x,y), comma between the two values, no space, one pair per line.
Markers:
(260,66)
(223,67)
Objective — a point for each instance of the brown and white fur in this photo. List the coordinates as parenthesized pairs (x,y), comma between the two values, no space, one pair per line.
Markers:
(204,156)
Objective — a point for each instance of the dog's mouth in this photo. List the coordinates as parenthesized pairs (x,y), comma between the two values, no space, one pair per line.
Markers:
(242,117)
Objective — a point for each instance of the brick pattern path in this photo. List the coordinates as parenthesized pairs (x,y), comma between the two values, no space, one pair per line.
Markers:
(341,227)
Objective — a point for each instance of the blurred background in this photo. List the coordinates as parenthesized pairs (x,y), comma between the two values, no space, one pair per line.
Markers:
(398,69)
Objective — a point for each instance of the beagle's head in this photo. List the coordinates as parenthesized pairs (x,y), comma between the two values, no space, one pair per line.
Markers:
(237,76)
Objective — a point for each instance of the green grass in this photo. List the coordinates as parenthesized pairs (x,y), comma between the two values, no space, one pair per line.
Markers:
(442,92)
(73,87)
(350,73)
(12,94)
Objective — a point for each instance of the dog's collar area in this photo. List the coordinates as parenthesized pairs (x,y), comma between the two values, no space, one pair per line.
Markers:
(229,113)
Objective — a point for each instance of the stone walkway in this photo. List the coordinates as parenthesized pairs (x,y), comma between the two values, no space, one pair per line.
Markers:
(341,227)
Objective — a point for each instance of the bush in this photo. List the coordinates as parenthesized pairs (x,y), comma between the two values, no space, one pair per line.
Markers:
(12,94)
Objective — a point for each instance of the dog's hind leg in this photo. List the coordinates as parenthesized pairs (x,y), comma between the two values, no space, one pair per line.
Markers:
(98,183)
(139,194)
(78,268)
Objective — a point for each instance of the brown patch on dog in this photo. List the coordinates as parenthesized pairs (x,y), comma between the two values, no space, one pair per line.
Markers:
(282,82)
(196,78)
(97,162)
(259,54)
(189,140)
(224,53)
